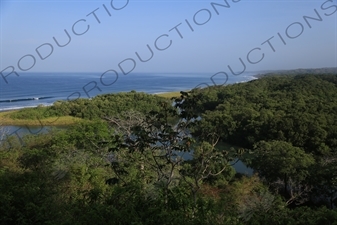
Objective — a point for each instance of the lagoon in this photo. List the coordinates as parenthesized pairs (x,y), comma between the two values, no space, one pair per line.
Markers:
(20,131)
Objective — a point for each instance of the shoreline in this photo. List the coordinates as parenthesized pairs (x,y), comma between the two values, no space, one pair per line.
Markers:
(47,99)
(253,74)
(5,119)
(65,120)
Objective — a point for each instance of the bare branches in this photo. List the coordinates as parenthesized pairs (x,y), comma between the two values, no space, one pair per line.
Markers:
(126,121)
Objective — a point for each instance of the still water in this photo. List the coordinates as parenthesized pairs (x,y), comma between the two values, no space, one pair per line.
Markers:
(20,131)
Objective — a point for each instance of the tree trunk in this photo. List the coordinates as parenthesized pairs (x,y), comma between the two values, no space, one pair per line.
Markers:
(285,184)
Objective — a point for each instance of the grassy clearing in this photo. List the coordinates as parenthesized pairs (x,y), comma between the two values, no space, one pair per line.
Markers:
(170,94)
(52,121)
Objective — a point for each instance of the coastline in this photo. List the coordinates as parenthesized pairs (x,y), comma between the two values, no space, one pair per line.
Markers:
(5,119)
(157,88)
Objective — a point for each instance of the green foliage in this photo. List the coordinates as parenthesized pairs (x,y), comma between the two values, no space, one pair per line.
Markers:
(324,178)
(296,109)
(278,159)
(98,107)
(297,216)
(291,121)
(129,168)
(331,70)
(108,105)
(39,112)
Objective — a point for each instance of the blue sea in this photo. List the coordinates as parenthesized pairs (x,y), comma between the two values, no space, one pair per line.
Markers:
(33,89)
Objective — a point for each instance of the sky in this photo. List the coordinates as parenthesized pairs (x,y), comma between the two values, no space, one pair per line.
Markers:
(168,36)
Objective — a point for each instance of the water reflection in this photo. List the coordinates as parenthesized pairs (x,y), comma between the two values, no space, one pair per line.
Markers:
(239,166)
(20,131)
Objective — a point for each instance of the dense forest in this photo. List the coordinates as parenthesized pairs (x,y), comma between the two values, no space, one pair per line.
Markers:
(313,71)
(125,161)
(95,108)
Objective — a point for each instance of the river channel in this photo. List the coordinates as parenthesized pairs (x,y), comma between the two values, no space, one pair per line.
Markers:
(20,131)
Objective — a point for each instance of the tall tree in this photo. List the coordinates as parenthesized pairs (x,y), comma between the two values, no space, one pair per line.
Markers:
(280,161)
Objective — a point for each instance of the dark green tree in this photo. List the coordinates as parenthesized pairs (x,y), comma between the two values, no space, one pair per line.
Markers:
(280,161)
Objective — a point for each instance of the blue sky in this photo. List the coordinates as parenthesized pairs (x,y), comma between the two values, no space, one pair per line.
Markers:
(213,45)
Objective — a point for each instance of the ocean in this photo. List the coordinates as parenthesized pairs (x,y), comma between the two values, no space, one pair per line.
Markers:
(33,89)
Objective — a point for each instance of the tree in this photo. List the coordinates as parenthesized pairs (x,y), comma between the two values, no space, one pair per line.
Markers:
(324,179)
(152,145)
(158,146)
(281,162)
